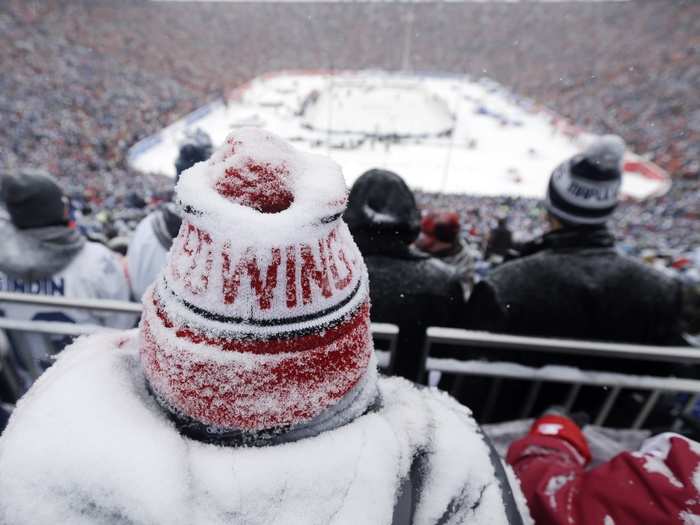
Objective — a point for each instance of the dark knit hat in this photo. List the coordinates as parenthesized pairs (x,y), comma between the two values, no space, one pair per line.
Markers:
(381,202)
(196,148)
(584,190)
(33,199)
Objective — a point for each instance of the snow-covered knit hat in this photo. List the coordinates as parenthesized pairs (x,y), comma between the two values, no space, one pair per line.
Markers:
(260,319)
(584,190)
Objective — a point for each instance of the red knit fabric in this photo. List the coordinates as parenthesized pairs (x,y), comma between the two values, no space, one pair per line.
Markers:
(249,331)
(258,186)
(254,397)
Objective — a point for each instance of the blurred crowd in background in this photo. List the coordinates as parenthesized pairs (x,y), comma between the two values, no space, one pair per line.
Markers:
(82,83)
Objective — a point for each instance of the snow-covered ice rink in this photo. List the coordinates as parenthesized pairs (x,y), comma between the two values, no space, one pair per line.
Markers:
(441,133)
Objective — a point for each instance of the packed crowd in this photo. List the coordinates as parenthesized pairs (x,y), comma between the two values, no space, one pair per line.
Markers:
(255,337)
(663,231)
(82,83)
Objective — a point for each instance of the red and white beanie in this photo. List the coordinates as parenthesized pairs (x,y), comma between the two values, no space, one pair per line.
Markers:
(260,319)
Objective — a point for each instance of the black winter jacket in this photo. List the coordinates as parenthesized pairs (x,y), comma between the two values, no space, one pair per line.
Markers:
(576,285)
(408,289)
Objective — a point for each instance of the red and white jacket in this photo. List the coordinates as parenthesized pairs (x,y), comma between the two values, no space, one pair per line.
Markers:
(657,485)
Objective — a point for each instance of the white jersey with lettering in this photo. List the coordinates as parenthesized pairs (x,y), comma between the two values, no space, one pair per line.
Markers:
(146,257)
(94,273)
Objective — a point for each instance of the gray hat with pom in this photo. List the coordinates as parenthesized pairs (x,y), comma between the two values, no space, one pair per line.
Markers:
(584,190)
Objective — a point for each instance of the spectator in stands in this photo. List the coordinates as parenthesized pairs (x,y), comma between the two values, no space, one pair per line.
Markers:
(500,241)
(658,484)
(409,289)
(304,429)
(572,282)
(42,254)
(154,236)
(440,238)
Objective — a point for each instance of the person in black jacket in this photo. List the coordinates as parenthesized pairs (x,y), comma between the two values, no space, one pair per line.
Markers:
(572,282)
(408,289)
(500,241)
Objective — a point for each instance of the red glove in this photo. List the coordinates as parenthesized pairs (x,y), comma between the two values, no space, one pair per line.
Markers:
(562,428)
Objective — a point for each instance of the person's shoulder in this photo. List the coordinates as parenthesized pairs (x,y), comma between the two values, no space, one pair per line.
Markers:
(459,475)
(520,267)
(145,227)
(94,251)
(437,269)
(97,262)
(83,369)
(400,392)
(86,425)
(642,268)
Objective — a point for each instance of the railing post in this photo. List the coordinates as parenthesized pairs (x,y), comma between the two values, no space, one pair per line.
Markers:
(425,352)
(393,344)
(531,399)
(607,406)
(494,390)
(646,409)
(571,397)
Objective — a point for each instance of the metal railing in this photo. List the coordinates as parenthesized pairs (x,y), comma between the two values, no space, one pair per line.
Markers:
(101,305)
(466,366)
(575,377)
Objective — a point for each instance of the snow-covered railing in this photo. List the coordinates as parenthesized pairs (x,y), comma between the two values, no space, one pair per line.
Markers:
(455,338)
(575,377)
(458,337)
(102,305)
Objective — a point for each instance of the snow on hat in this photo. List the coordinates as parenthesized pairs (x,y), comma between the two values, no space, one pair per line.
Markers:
(260,319)
(33,199)
(584,190)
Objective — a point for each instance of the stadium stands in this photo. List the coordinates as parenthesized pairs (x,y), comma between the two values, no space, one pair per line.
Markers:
(77,94)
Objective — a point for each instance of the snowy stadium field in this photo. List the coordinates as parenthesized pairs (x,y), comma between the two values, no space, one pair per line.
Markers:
(442,133)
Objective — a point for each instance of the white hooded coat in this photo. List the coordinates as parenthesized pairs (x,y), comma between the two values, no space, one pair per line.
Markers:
(89,445)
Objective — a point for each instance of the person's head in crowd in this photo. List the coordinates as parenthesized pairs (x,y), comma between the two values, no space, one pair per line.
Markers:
(279,376)
(33,199)
(439,231)
(382,210)
(196,148)
(584,190)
